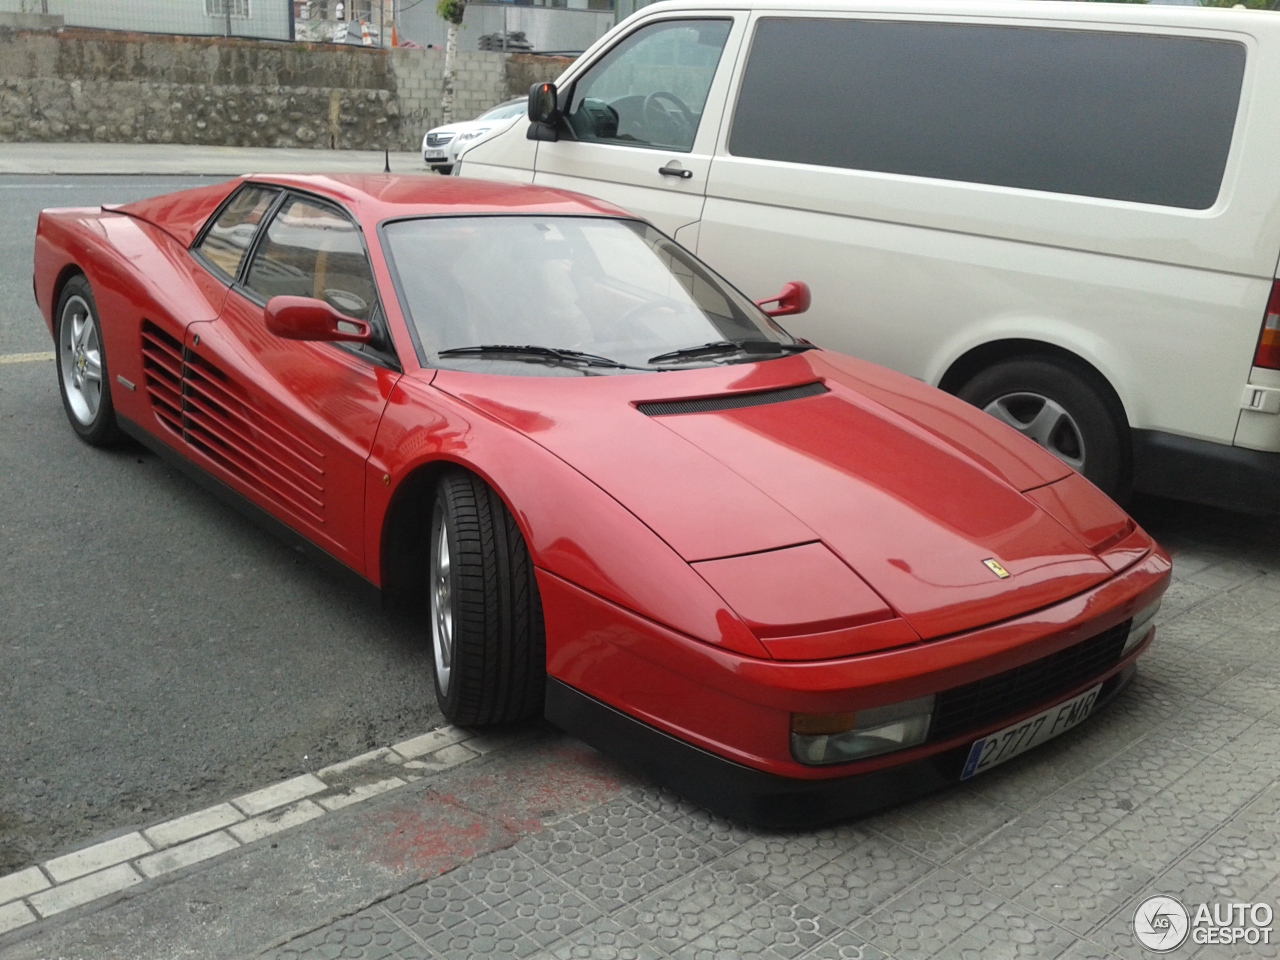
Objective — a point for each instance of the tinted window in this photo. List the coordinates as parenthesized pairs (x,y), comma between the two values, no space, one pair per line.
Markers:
(313,250)
(232,233)
(1115,115)
(650,89)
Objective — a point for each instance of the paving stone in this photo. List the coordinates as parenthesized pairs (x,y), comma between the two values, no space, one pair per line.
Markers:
(185,854)
(943,825)
(774,927)
(275,821)
(676,917)
(1084,888)
(844,946)
(1014,858)
(1010,933)
(928,916)
(337,770)
(15,915)
(368,935)
(280,794)
(193,825)
(20,884)
(1194,671)
(83,890)
(1203,725)
(604,938)
(528,920)
(858,881)
(97,857)
(362,792)
(611,873)
(1086,950)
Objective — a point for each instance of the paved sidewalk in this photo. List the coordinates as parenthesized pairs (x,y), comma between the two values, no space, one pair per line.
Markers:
(543,849)
(147,158)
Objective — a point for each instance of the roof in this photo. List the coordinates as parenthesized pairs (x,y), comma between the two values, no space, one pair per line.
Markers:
(380,196)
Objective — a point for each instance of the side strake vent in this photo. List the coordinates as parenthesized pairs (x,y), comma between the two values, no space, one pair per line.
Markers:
(196,400)
(666,408)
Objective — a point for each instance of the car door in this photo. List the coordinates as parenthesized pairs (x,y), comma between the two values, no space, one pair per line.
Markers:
(290,423)
(641,121)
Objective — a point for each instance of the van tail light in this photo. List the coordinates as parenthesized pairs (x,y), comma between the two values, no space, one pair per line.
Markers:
(1268,354)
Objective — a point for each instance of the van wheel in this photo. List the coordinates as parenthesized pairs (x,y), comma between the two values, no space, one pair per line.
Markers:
(1063,409)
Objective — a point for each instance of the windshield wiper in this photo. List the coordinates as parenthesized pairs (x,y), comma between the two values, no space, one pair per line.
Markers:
(721,347)
(537,354)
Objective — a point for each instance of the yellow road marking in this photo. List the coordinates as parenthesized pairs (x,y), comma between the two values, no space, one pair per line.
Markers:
(25,357)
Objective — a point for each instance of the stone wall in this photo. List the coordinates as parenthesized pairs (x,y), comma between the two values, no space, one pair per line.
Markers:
(92,86)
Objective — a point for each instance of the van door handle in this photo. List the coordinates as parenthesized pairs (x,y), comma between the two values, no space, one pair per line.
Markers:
(673,171)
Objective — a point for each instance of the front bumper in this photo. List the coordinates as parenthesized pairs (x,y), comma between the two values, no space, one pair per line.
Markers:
(665,689)
(751,795)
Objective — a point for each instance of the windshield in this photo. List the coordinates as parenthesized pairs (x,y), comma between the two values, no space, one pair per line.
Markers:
(617,290)
(505,111)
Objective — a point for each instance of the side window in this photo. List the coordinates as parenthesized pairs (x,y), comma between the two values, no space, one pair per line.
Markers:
(1143,117)
(231,234)
(313,250)
(650,90)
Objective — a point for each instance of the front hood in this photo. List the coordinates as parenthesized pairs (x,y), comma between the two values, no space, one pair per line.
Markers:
(914,511)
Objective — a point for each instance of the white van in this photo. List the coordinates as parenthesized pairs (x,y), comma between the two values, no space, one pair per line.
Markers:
(1066,213)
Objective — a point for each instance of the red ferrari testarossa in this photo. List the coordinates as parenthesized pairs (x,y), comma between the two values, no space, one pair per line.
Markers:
(792,584)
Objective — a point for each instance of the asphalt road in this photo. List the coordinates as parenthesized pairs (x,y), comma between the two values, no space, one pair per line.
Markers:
(158,652)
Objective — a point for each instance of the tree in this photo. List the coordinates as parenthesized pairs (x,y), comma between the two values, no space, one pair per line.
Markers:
(451,11)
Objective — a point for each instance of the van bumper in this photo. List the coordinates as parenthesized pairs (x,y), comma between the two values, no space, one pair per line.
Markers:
(1202,471)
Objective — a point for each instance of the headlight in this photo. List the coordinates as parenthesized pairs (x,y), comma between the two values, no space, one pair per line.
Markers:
(1143,623)
(821,738)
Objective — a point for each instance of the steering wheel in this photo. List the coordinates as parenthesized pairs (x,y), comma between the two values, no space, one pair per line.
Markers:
(661,107)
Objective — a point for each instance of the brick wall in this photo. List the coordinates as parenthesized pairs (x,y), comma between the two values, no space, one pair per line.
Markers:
(92,86)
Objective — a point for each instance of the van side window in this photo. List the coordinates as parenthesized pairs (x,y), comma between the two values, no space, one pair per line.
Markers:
(1119,116)
(650,90)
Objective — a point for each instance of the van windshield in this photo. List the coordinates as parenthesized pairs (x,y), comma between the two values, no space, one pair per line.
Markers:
(614,290)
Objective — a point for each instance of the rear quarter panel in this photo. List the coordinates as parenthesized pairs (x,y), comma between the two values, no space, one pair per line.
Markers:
(136,271)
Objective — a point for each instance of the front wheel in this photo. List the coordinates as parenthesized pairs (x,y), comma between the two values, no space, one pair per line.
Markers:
(1064,411)
(82,366)
(487,642)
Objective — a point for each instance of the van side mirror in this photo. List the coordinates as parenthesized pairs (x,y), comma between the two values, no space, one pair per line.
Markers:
(794,298)
(544,112)
(304,318)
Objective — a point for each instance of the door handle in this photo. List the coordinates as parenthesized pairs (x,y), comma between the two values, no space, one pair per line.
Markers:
(670,171)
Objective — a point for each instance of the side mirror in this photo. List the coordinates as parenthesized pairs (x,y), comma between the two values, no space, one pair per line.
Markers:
(304,318)
(544,112)
(794,298)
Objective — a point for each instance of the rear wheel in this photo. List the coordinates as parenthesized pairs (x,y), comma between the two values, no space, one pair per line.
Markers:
(1064,410)
(487,643)
(82,366)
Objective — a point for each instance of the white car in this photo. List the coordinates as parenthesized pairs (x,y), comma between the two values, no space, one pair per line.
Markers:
(441,144)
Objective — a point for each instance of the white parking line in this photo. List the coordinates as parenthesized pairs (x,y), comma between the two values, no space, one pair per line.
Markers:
(107,868)
(25,357)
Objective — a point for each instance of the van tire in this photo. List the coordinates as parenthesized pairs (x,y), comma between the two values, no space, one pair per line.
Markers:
(1066,409)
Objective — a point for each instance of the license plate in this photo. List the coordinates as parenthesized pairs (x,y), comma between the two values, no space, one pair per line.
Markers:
(1006,744)
(434,154)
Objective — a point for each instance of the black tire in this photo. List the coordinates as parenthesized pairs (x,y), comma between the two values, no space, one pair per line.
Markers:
(495,673)
(445,170)
(90,412)
(1094,428)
